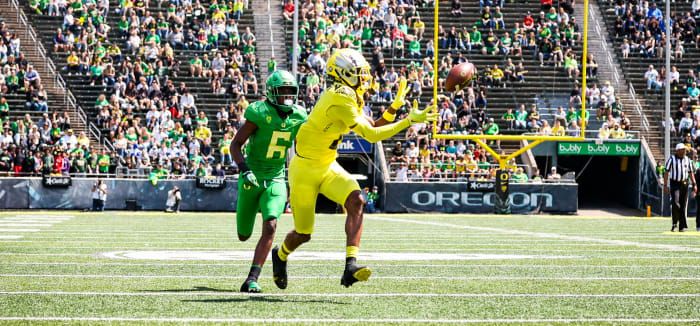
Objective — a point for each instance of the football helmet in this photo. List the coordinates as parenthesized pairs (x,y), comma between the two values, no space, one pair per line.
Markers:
(349,67)
(282,89)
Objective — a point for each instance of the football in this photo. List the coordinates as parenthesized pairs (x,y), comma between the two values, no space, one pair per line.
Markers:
(460,76)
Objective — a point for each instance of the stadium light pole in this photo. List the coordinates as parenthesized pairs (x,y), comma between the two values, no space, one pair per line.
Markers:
(295,38)
(667,101)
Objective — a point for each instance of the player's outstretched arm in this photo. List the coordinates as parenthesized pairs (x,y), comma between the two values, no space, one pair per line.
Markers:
(375,134)
(241,137)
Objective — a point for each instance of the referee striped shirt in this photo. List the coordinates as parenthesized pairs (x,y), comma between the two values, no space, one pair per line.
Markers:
(678,169)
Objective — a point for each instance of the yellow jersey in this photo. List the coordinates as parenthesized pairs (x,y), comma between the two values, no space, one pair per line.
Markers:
(336,111)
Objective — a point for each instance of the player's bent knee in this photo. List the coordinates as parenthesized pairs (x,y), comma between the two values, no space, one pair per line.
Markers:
(269,227)
(355,201)
(243,237)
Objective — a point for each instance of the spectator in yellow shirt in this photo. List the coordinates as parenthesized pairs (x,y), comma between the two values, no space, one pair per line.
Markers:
(203,133)
(73,63)
(419,28)
(558,130)
(497,75)
(617,132)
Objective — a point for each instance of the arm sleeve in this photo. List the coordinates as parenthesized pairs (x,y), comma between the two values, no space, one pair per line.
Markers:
(375,134)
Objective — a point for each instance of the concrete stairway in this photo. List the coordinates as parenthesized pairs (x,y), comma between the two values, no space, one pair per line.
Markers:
(57,100)
(600,45)
(269,32)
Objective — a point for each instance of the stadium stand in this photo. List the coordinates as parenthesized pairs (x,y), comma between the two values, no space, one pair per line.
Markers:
(33,107)
(637,33)
(131,64)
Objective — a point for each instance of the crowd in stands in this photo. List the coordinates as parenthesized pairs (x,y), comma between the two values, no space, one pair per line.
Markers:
(154,123)
(642,27)
(396,29)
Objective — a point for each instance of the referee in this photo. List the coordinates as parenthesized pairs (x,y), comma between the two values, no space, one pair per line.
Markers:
(678,170)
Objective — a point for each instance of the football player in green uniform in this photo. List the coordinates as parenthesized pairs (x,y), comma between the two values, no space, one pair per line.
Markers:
(270,127)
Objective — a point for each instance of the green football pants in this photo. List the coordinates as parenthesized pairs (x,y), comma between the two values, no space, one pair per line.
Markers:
(270,198)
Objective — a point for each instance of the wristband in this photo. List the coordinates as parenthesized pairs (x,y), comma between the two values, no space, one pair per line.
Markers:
(243,168)
(388,116)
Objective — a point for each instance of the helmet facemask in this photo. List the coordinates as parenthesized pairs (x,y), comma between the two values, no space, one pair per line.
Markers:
(284,97)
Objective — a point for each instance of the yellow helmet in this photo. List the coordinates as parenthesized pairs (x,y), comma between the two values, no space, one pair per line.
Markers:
(349,67)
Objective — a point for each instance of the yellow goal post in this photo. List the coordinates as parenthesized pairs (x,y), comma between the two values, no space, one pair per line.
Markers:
(536,139)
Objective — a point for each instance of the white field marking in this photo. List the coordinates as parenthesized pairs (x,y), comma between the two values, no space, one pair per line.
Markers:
(458,266)
(414,251)
(545,235)
(665,257)
(22,224)
(151,242)
(366,238)
(37,218)
(2,222)
(44,215)
(489,278)
(35,254)
(307,255)
(233,233)
(19,230)
(362,295)
(11,236)
(352,321)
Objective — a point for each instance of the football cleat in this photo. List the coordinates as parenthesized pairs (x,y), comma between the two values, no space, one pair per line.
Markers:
(251,286)
(354,273)
(279,269)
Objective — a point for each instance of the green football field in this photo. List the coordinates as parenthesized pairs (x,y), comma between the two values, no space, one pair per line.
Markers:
(126,268)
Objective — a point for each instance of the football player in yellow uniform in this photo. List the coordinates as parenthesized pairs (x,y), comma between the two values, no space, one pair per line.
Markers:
(313,169)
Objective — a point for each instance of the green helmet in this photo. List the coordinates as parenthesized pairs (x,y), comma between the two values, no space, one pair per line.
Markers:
(282,83)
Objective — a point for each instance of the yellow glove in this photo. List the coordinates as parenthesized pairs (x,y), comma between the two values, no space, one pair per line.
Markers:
(425,115)
(400,98)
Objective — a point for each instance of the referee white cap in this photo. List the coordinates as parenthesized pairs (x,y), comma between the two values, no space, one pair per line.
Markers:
(681,146)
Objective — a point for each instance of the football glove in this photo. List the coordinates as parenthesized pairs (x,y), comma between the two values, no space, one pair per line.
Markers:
(426,115)
(248,176)
(400,98)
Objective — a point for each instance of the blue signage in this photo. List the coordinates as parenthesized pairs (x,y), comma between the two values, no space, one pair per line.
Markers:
(354,145)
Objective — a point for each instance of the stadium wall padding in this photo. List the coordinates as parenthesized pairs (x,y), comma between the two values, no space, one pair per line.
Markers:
(29,193)
(407,197)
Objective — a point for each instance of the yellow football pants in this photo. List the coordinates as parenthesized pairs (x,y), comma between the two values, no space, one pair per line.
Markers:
(308,178)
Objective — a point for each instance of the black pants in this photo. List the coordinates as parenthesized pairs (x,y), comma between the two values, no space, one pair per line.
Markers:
(697,211)
(679,203)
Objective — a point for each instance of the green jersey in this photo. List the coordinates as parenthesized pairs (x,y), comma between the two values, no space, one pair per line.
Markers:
(267,146)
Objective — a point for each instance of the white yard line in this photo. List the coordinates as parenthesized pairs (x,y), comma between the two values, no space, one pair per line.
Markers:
(19,230)
(459,265)
(23,224)
(490,278)
(352,321)
(151,242)
(361,295)
(423,249)
(11,237)
(543,235)
(563,257)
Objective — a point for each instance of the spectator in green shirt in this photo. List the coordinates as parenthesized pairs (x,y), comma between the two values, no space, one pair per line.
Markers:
(96,74)
(103,162)
(521,117)
(414,49)
(519,176)
(492,129)
(4,109)
(509,117)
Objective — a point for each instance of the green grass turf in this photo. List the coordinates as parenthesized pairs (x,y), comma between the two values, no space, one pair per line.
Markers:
(59,272)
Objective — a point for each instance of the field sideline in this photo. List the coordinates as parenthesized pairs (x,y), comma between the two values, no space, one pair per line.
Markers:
(137,268)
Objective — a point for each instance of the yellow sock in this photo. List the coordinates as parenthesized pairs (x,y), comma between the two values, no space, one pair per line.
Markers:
(351,252)
(283,252)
